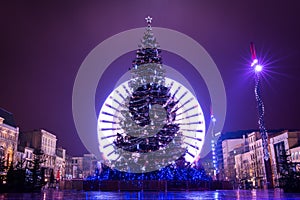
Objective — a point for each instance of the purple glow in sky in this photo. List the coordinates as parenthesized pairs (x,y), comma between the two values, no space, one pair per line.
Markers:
(43,44)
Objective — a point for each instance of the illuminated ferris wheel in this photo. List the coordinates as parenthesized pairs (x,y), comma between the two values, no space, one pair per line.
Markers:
(189,117)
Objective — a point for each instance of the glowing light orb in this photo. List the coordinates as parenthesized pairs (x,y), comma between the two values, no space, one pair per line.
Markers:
(258,68)
(213,119)
(254,62)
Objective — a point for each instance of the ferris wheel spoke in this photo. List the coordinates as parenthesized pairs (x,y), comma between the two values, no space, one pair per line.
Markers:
(183,95)
(176,92)
(190,154)
(119,156)
(191,108)
(194,138)
(121,95)
(192,130)
(109,129)
(189,123)
(106,121)
(115,100)
(187,117)
(111,152)
(171,85)
(109,114)
(110,106)
(188,101)
(127,91)
(195,147)
(105,146)
(108,136)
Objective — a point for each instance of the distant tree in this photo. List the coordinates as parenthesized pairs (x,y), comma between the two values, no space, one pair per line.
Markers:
(2,165)
(3,168)
(52,179)
(289,174)
(15,179)
(27,177)
(37,175)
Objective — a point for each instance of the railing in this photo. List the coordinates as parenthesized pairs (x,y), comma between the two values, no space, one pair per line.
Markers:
(143,185)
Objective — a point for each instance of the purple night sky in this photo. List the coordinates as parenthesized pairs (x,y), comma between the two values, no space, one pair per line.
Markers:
(43,44)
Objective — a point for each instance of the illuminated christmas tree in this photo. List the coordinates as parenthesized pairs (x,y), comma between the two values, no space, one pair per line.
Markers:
(150,112)
(155,123)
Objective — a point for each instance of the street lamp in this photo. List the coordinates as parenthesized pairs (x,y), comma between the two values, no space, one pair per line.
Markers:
(261,111)
(257,67)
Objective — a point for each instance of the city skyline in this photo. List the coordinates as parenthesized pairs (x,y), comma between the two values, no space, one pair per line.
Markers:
(45,43)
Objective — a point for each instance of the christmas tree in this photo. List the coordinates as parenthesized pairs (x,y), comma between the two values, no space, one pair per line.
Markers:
(149,143)
(149,113)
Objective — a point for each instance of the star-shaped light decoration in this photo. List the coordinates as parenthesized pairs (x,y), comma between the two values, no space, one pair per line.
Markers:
(148,19)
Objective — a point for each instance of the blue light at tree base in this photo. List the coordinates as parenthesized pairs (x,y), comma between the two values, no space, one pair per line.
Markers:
(173,172)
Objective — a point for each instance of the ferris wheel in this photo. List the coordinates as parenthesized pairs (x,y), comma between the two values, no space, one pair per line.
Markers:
(187,118)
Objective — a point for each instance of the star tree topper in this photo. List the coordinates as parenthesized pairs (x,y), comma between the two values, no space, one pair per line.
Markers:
(148,20)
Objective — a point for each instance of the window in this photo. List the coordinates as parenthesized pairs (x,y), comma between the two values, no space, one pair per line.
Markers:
(1,151)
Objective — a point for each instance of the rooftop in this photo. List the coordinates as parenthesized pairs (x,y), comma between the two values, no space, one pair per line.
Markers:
(8,118)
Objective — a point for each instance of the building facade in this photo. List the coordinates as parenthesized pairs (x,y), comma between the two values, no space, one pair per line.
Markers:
(60,164)
(68,168)
(228,149)
(280,144)
(90,164)
(77,167)
(243,170)
(25,156)
(9,134)
(246,157)
(45,141)
(258,175)
(85,166)
(295,154)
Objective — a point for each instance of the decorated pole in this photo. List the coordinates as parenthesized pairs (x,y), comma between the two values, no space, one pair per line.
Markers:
(260,105)
(213,144)
(261,112)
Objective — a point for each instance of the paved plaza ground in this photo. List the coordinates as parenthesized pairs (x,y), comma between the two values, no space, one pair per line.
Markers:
(220,194)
